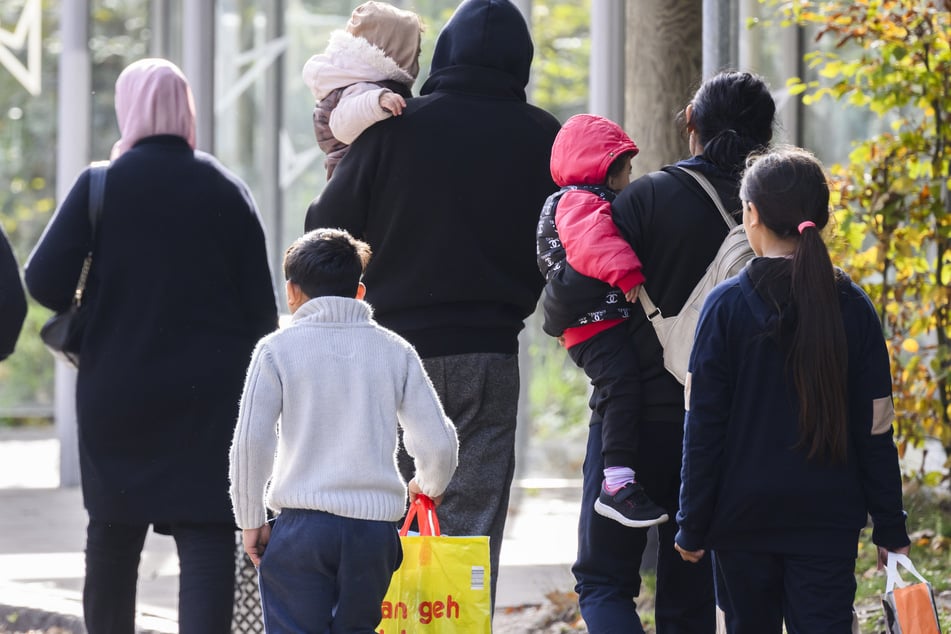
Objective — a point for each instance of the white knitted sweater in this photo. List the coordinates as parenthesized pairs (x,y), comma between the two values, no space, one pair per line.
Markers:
(317,426)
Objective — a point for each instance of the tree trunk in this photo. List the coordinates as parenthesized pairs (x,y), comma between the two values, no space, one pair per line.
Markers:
(662,71)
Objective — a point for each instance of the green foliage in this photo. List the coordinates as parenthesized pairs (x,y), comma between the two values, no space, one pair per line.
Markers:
(894,208)
(561,31)
(27,200)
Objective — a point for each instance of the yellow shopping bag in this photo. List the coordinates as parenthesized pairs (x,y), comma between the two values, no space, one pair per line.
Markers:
(442,586)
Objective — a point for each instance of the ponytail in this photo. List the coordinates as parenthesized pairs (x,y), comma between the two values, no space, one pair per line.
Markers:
(818,355)
(791,194)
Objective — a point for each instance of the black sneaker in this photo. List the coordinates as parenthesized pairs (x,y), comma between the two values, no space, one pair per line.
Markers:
(630,506)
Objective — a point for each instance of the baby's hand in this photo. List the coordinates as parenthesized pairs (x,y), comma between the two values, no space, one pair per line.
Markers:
(631,295)
(392,103)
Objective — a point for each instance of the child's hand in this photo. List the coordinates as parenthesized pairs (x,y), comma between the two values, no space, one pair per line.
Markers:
(631,295)
(883,554)
(693,556)
(255,541)
(415,491)
(392,103)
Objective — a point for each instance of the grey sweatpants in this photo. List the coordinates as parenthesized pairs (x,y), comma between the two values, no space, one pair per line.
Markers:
(480,395)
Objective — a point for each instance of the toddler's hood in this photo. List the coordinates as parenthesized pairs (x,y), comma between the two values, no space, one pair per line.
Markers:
(584,149)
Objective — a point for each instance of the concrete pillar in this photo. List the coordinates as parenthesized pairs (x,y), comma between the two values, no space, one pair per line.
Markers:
(272,200)
(160,26)
(721,36)
(198,43)
(662,71)
(606,73)
(72,155)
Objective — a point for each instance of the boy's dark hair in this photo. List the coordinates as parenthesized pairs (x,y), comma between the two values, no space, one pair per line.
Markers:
(326,262)
(618,164)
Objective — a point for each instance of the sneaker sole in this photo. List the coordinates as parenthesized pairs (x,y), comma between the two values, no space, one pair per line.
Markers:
(606,511)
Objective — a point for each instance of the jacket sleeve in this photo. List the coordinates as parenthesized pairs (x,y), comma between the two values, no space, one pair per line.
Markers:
(257,286)
(345,200)
(593,244)
(12,299)
(428,434)
(359,108)
(53,268)
(872,413)
(255,440)
(708,394)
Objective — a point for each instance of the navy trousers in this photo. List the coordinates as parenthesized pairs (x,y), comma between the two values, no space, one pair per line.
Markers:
(758,591)
(206,554)
(326,574)
(607,570)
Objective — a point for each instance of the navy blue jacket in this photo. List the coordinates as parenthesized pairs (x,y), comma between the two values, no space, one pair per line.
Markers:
(447,194)
(179,292)
(12,299)
(744,484)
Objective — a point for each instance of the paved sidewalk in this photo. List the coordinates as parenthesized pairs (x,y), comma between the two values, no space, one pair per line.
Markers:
(42,532)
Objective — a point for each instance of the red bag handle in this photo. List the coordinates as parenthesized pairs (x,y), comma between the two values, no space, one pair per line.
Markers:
(424,510)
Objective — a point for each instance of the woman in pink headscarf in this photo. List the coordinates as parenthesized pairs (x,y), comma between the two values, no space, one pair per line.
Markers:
(179,292)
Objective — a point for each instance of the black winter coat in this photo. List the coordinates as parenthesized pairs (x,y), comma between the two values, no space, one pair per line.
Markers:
(12,299)
(675,229)
(179,291)
(448,194)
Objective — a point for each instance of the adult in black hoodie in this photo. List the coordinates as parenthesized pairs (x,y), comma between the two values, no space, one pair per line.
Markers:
(676,230)
(448,195)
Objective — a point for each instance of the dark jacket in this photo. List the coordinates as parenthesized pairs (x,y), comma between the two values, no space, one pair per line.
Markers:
(12,299)
(572,299)
(675,229)
(180,292)
(745,484)
(448,193)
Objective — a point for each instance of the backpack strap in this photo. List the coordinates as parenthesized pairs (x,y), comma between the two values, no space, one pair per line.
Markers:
(650,308)
(711,192)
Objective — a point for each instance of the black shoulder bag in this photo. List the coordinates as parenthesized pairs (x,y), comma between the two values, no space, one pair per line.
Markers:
(63,332)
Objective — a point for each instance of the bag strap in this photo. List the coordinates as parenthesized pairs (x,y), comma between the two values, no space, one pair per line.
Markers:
(892,577)
(712,193)
(97,188)
(651,309)
(423,509)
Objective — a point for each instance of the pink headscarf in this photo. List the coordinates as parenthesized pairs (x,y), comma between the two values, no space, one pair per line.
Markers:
(153,97)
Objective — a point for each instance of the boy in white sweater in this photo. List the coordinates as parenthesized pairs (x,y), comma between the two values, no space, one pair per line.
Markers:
(316,443)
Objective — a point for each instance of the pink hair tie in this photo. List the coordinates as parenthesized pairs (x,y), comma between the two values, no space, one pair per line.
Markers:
(806,224)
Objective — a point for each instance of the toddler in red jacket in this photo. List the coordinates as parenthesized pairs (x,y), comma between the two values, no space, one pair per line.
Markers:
(593,276)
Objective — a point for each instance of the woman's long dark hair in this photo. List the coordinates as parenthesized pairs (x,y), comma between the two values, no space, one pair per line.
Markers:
(788,187)
(732,115)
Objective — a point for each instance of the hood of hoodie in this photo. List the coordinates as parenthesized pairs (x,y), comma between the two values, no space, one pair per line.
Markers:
(584,149)
(484,47)
(766,284)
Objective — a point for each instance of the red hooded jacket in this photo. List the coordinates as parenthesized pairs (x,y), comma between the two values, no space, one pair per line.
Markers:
(582,153)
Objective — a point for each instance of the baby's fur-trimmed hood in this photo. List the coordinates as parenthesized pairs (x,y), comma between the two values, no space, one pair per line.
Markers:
(349,60)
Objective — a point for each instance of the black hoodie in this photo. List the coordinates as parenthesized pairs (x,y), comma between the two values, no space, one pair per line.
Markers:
(448,193)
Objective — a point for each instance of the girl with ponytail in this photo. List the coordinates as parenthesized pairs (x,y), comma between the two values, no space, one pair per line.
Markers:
(788,436)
